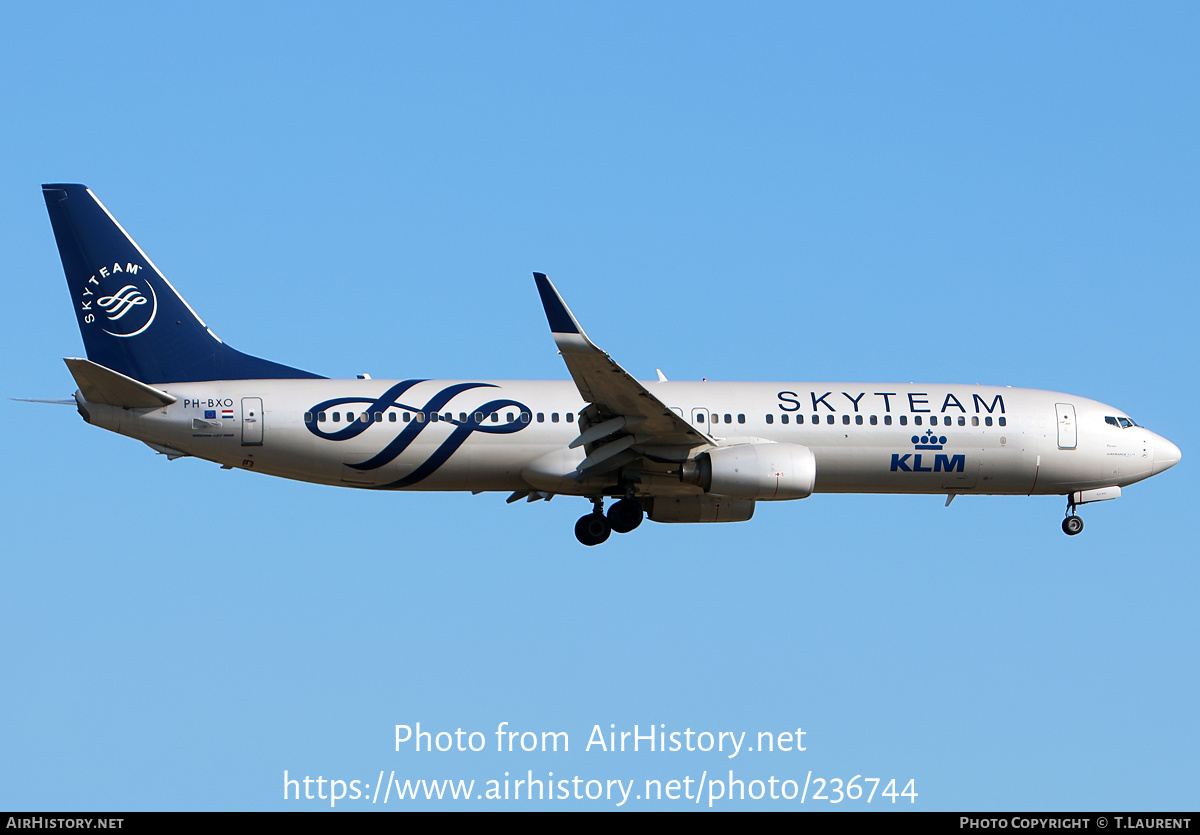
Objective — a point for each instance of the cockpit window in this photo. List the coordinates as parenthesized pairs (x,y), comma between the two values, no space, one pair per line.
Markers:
(1121,422)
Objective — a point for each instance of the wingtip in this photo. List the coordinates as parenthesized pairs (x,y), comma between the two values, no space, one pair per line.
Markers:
(559,317)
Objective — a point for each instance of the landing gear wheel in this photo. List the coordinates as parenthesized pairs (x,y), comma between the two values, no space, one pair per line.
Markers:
(1072,525)
(592,529)
(625,515)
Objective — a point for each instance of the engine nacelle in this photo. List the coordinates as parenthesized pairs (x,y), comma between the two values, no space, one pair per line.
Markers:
(763,471)
(698,509)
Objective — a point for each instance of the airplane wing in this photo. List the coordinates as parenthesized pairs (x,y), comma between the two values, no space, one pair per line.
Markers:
(624,417)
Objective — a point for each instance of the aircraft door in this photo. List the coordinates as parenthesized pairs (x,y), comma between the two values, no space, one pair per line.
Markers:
(700,419)
(1068,435)
(252,421)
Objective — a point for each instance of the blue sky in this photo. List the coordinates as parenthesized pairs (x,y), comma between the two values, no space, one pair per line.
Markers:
(944,193)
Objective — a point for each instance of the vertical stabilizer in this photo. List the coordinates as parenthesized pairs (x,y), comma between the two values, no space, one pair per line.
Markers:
(132,319)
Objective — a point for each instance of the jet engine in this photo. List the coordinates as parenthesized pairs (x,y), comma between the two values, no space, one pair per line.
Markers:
(762,471)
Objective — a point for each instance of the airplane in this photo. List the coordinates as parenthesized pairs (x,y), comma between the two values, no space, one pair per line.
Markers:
(670,451)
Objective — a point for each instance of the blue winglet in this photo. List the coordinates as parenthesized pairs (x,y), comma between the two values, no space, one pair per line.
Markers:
(560,318)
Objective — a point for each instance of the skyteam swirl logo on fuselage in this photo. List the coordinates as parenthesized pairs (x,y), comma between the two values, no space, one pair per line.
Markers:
(429,414)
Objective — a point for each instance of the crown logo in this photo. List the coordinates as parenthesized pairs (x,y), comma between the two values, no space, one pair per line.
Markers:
(928,440)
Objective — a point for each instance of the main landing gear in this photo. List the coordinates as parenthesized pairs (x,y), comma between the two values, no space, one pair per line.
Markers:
(1072,525)
(622,517)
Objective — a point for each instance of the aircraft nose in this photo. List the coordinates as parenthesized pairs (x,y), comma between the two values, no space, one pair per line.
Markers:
(1166,455)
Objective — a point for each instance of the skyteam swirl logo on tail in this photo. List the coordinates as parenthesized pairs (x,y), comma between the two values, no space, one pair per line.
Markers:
(425,416)
(128,310)
(121,302)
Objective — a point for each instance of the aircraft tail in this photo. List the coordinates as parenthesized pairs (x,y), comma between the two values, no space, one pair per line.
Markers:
(131,318)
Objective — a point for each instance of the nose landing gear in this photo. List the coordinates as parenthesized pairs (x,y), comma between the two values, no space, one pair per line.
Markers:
(1072,525)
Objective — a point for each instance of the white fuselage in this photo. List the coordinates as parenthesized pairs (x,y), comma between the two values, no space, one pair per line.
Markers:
(514,435)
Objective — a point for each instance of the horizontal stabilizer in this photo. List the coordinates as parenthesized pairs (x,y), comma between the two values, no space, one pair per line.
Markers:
(98,384)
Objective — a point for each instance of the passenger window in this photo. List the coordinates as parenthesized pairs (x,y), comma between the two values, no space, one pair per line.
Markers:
(987,421)
(783,418)
(479,417)
(887,420)
(729,418)
(391,417)
(554,417)
(420,417)
(741,418)
(407,417)
(904,420)
(845,420)
(379,417)
(448,417)
(962,421)
(1002,421)
(509,417)
(699,417)
(337,417)
(829,419)
(799,418)
(858,419)
(874,420)
(917,420)
(541,417)
(974,420)
(308,417)
(570,417)
(770,418)
(526,417)
(320,417)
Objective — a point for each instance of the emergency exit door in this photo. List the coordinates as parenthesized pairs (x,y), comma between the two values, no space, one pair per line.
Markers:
(252,421)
